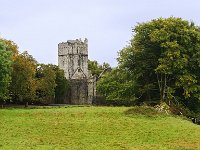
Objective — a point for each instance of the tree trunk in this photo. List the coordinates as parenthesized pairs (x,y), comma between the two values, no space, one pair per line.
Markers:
(2,104)
(26,104)
(162,84)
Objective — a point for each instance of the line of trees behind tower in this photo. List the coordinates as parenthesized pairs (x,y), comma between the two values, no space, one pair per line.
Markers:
(161,64)
(23,79)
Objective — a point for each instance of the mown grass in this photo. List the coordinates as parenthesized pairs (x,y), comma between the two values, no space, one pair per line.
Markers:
(98,128)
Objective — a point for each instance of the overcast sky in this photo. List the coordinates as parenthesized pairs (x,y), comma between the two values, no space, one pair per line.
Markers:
(37,26)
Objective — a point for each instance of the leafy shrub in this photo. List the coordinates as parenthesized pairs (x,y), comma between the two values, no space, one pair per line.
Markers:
(144,111)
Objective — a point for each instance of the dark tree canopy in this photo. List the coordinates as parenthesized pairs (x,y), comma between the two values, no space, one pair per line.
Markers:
(45,83)
(62,85)
(164,58)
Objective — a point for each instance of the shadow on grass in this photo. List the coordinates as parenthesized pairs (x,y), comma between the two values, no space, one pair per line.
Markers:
(53,106)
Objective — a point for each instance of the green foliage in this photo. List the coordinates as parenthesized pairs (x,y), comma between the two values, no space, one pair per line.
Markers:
(145,111)
(164,58)
(23,85)
(52,86)
(116,85)
(5,71)
(99,128)
(49,81)
(10,46)
(62,85)
(95,68)
(46,83)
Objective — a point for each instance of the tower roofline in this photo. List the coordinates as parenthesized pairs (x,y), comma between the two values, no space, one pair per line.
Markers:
(77,41)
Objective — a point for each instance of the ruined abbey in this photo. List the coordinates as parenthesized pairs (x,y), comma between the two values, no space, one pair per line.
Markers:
(73,59)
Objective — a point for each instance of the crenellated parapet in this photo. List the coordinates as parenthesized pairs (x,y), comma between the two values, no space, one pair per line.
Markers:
(73,47)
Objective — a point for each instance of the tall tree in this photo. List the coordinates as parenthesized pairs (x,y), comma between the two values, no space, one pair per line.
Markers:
(164,57)
(23,84)
(46,83)
(5,71)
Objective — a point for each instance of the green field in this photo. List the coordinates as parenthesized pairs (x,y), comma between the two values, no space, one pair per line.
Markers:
(93,128)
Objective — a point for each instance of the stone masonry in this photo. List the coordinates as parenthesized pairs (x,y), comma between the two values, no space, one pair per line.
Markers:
(73,59)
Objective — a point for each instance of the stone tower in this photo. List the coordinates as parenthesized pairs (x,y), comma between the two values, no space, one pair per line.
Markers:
(73,59)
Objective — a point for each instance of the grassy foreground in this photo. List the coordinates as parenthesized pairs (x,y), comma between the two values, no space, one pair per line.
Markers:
(94,128)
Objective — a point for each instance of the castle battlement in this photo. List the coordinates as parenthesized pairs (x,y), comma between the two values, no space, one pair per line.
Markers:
(73,47)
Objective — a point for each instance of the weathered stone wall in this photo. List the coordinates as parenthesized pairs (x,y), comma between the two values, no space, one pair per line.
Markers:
(91,89)
(79,91)
(73,59)
(73,54)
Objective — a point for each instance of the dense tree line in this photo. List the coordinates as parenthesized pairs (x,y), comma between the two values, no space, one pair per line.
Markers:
(23,79)
(161,63)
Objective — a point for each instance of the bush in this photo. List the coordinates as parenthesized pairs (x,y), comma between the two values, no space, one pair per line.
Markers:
(144,111)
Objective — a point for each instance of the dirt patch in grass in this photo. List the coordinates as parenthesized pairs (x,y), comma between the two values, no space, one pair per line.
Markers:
(188,145)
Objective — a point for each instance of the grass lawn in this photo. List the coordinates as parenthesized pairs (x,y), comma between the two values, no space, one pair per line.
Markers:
(94,128)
